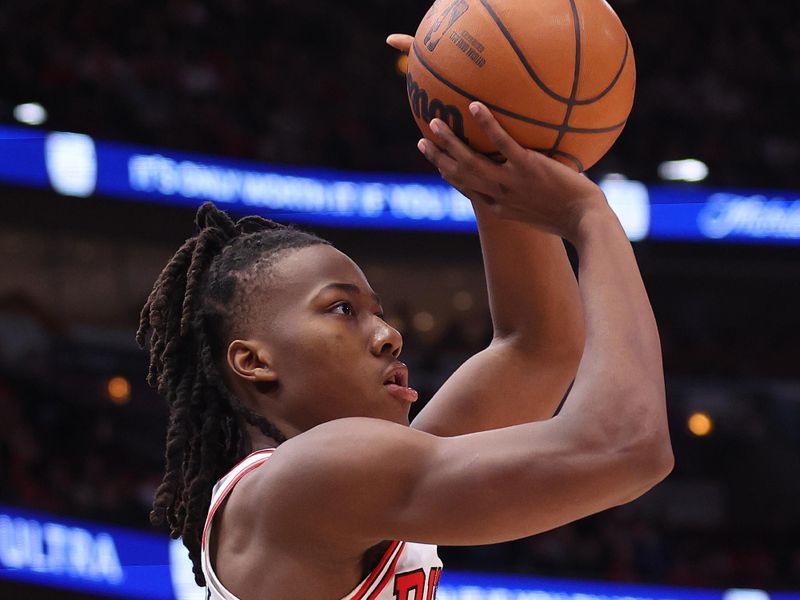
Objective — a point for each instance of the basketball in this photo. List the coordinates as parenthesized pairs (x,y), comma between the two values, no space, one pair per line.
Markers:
(559,75)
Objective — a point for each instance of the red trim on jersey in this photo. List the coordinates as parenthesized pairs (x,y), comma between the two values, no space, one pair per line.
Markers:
(389,573)
(230,485)
(253,453)
(377,571)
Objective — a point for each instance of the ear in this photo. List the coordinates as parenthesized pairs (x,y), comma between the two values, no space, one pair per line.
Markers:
(251,361)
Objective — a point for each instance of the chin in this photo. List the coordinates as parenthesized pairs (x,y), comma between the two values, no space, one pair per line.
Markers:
(397,416)
(401,419)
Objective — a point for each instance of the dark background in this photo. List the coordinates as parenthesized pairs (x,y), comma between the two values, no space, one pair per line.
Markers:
(311,83)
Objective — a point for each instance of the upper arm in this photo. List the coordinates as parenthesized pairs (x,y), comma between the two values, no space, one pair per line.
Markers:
(358,481)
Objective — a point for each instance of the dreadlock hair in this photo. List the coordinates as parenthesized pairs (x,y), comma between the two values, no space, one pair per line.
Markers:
(191,313)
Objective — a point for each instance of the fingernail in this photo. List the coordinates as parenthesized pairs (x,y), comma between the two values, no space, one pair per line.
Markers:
(435,127)
(421,146)
(474,108)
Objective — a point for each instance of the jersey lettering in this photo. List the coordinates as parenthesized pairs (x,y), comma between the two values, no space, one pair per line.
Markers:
(412,585)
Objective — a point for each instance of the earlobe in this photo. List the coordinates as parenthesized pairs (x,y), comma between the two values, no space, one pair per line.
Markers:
(251,361)
(265,374)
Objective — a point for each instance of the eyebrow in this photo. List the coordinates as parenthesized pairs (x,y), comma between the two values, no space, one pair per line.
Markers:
(351,288)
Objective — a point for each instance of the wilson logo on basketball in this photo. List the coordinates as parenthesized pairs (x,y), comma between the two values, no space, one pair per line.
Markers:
(427,109)
(444,22)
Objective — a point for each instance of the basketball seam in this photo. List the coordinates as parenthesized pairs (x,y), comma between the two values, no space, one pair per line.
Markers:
(507,34)
(576,23)
(613,81)
(507,112)
(537,80)
(569,156)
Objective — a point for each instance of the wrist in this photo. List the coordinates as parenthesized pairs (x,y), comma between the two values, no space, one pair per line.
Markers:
(591,222)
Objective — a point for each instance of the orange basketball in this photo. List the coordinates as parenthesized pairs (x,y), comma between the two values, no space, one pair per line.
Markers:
(559,75)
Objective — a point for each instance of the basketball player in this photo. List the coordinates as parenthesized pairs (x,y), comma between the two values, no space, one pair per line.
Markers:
(271,349)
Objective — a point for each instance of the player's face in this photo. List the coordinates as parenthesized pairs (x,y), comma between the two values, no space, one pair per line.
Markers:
(332,351)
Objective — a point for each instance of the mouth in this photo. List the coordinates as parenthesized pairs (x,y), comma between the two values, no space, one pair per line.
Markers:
(395,380)
(397,374)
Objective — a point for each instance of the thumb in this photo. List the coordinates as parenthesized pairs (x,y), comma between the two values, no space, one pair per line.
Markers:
(400,41)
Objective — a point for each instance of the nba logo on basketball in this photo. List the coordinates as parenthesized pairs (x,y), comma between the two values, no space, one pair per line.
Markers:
(451,14)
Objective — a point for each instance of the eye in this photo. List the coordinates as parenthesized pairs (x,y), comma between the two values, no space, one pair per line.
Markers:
(344,308)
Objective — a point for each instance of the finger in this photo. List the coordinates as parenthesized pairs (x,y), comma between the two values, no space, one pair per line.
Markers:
(485,198)
(475,168)
(446,165)
(504,143)
(448,141)
(451,171)
(400,41)
(452,144)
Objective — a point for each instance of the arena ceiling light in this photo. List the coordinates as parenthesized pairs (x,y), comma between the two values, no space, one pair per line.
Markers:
(689,169)
(30,113)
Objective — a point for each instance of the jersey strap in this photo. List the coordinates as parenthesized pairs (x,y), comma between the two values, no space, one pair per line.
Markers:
(226,484)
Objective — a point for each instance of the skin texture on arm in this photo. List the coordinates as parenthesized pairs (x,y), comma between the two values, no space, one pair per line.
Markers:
(477,488)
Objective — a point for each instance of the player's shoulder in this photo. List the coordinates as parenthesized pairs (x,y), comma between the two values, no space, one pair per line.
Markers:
(332,453)
(342,444)
(312,484)
(332,433)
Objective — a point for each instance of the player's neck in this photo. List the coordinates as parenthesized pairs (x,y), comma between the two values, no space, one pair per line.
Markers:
(259,440)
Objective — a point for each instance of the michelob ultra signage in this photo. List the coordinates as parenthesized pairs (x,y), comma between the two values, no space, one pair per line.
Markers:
(63,553)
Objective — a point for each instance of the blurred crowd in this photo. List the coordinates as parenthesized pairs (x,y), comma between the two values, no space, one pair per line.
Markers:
(313,83)
(726,517)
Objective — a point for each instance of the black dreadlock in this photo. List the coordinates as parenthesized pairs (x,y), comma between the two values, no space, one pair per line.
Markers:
(191,313)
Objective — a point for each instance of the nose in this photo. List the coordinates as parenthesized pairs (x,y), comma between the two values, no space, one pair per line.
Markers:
(386,339)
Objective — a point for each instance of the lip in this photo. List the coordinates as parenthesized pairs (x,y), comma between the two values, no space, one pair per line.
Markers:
(395,380)
(397,373)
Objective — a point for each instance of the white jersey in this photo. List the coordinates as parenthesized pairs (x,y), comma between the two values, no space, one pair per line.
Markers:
(406,571)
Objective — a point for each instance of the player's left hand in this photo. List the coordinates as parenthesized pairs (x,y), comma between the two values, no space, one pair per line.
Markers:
(400,41)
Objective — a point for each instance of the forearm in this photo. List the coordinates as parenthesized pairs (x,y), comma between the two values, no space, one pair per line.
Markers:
(538,335)
(619,387)
(533,294)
